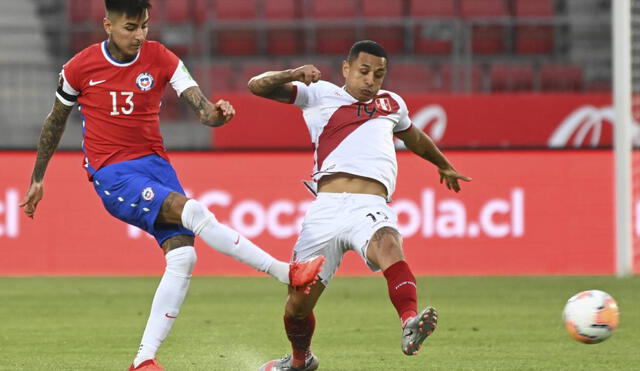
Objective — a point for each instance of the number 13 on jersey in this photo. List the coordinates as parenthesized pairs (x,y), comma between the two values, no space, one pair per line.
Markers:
(127,107)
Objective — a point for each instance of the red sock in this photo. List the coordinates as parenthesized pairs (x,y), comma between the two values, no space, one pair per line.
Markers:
(299,332)
(402,289)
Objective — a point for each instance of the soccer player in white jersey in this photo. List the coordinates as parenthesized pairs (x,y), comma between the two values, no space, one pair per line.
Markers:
(352,129)
(118,85)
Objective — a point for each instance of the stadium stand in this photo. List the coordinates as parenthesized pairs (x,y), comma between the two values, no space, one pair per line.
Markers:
(487,31)
(534,38)
(433,36)
(511,77)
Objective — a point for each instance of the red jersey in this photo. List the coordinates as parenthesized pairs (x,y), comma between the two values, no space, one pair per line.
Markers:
(120,101)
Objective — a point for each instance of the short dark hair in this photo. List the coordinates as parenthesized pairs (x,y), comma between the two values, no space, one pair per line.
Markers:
(132,8)
(367,46)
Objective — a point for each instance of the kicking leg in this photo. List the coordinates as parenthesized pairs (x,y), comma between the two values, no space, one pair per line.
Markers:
(173,287)
(299,324)
(177,209)
(385,250)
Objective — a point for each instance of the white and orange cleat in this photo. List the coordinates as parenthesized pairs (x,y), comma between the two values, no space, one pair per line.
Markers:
(148,365)
(302,275)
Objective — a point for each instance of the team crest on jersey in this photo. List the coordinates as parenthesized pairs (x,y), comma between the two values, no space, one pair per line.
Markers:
(144,81)
(147,194)
(383,104)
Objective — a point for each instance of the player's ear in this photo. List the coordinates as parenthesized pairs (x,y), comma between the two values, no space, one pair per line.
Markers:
(106,23)
(345,69)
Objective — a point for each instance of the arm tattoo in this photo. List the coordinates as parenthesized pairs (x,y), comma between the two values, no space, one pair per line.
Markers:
(200,105)
(52,130)
(272,85)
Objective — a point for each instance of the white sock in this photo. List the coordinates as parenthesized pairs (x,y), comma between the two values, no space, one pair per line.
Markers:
(167,301)
(197,218)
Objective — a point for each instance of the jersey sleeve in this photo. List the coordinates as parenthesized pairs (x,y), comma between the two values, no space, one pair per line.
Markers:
(68,92)
(176,72)
(181,79)
(305,96)
(404,122)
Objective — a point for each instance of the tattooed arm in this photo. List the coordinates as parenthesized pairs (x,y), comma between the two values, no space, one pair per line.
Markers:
(52,130)
(210,114)
(277,85)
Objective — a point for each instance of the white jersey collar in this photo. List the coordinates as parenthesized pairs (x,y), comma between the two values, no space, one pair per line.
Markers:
(115,62)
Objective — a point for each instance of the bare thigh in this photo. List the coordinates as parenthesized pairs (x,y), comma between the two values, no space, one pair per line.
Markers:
(385,248)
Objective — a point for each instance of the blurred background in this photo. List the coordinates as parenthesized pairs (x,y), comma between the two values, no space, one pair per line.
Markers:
(517,92)
(478,47)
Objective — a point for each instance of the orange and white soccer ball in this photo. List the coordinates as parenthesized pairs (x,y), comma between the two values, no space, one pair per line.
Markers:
(591,316)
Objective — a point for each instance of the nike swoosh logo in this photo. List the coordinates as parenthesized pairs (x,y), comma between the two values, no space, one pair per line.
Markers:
(237,240)
(94,83)
(170,316)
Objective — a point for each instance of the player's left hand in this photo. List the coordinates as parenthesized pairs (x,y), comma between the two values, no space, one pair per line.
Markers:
(450,177)
(31,199)
(224,112)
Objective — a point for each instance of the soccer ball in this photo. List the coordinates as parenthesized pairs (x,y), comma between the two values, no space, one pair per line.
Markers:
(591,316)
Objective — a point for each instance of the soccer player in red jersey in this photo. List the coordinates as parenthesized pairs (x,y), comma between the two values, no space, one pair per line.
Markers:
(352,129)
(118,85)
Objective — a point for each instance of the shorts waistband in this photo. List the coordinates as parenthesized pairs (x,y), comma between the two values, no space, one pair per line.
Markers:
(356,196)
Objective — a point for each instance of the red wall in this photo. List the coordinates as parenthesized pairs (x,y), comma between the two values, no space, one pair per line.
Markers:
(469,121)
(527,212)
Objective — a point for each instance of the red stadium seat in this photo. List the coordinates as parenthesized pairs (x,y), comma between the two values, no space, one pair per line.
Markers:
(534,8)
(432,8)
(235,9)
(482,8)
(486,38)
(81,39)
(287,40)
(431,37)
(236,42)
(183,11)
(215,78)
(531,38)
(331,71)
(334,9)
(410,77)
(221,77)
(251,69)
(335,40)
(511,77)
(558,77)
(281,9)
(390,37)
(382,8)
(447,75)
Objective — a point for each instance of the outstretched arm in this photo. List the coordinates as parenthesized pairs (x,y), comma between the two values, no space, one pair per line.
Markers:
(210,114)
(52,130)
(277,85)
(420,143)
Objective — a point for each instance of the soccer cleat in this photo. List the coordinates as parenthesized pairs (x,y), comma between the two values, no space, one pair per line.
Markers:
(416,330)
(302,275)
(310,363)
(148,365)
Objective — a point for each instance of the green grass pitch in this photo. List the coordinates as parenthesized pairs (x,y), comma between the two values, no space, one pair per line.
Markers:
(235,323)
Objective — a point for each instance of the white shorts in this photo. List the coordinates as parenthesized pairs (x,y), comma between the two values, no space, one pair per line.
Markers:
(338,222)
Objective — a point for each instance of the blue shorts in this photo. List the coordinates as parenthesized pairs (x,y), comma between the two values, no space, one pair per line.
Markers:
(133,191)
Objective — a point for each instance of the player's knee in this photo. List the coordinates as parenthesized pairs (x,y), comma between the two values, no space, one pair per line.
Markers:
(196,216)
(181,261)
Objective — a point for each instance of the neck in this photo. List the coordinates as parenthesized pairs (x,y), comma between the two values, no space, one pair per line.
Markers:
(117,53)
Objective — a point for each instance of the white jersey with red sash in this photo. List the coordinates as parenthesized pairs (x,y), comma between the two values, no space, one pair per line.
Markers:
(351,136)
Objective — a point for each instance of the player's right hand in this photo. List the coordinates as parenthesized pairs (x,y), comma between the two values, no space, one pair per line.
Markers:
(306,74)
(31,199)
